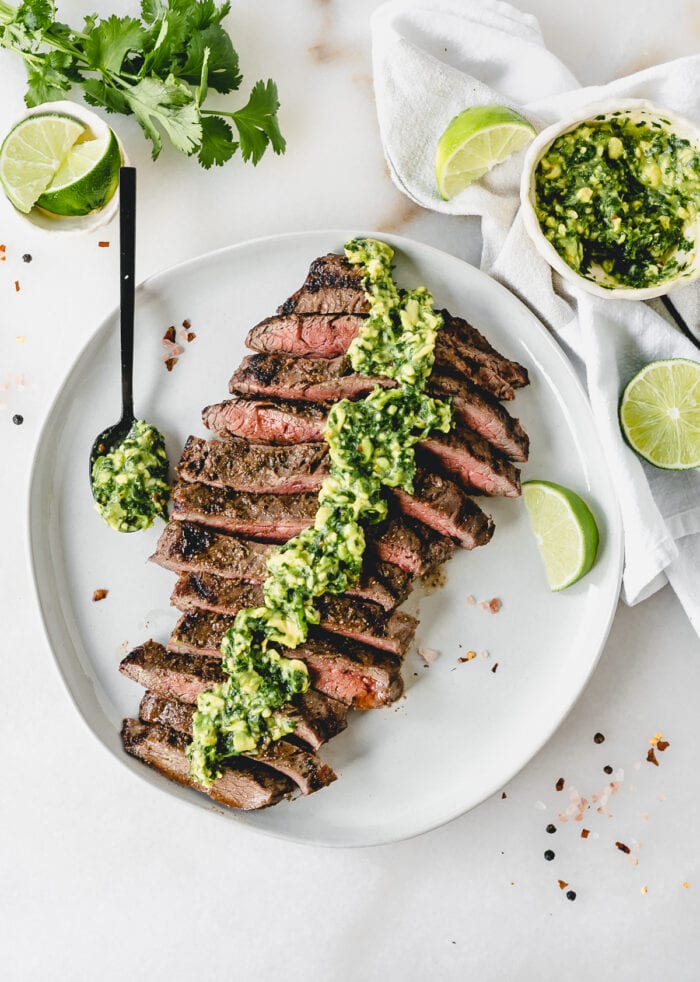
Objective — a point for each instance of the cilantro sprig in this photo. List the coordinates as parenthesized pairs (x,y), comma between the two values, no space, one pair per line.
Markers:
(159,67)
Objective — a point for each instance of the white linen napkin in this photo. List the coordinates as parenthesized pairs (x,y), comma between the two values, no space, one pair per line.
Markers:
(432,59)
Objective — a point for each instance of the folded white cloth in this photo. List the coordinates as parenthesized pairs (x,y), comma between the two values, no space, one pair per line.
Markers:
(432,59)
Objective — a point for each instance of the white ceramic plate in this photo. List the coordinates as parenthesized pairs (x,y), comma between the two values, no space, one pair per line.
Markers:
(462,730)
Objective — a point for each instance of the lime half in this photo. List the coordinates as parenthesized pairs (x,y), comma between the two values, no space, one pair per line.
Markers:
(660,413)
(566,532)
(474,142)
(87,178)
(32,153)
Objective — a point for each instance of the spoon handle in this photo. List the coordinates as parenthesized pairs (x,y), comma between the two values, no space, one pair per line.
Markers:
(127,263)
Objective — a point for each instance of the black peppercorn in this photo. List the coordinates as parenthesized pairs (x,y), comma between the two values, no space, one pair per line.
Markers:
(551,829)
(608,769)
(599,738)
(17,419)
(570,895)
(549,855)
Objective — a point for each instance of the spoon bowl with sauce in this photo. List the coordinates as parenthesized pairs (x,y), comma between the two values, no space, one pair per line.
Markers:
(128,460)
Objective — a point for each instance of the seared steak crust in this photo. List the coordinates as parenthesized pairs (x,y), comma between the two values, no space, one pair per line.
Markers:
(203,597)
(332,285)
(483,414)
(409,544)
(307,771)
(187,548)
(243,466)
(244,784)
(262,516)
(474,463)
(356,674)
(443,506)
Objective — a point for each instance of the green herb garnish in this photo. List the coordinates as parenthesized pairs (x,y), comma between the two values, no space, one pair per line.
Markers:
(159,68)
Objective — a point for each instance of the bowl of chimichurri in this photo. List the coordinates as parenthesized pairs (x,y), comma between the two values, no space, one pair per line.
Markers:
(611,199)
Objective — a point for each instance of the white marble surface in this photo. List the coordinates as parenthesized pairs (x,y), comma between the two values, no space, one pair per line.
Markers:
(102,877)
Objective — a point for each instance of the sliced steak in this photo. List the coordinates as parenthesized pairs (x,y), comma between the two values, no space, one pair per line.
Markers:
(443,506)
(330,335)
(470,343)
(243,466)
(474,462)
(244,784)
(187,548)
(409,544)
(484,414)
(305,379)
(332,285)
(261,516)
(267,420)
(360,676)
(450,361)
(204,597)
(173,675)
(307,771)
(306,335)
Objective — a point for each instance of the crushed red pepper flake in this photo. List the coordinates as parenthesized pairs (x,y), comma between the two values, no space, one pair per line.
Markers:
(623,848)
(3,257)
(562,884)
(495,668)
(170,334)
(503,795)
(99,595)
(17,287)
(559,786)
(585,833)
(470,656)
(170,363)
(662,745)
(190,336)
(103,245)
(187,324)
(651,757)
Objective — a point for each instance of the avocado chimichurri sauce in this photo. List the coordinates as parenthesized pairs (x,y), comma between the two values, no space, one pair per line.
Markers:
(129,482)
(618,199)
(371,444)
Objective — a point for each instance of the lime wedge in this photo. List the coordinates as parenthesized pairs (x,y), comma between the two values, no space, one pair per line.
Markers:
(86,180)
(474,142)
(566,532)
(32,153)
(660,413)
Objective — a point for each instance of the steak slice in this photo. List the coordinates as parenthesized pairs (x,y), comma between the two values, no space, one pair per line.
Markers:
(261,516)
(443,506)
(243,466)
(332,285)
(360,676)
(266,420)
(483,414)
(449,360)
(244,784)
(187,548)
(306,335)
(317,717)
(475,463)
(203,597)
(409,544)
(305,379)
(329,336)
(307,771)
(470,343)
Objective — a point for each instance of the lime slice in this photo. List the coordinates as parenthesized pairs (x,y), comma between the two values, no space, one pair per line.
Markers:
(566,532)
(31,154)
(86,180)
(660,413)
(474,142)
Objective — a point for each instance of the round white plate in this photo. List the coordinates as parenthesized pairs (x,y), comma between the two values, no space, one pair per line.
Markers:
(463,729)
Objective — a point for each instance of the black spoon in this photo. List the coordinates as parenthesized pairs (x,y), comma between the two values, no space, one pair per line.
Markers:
(114,435)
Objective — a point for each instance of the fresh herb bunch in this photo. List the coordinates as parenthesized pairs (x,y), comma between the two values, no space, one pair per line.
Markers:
(159,67)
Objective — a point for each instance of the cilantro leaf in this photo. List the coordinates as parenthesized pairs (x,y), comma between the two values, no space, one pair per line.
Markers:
(36,15)
(152,10)
(97,92)
(47,80)
(257,123)
(170,104)
(218,144)
(109,42)
(223,60)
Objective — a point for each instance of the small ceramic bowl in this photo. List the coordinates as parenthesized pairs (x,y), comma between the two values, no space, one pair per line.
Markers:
(79,224)
(636,109)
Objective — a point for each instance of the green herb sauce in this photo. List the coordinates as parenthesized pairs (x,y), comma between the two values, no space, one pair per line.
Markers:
(129,483)
(371,444)
(618,199)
